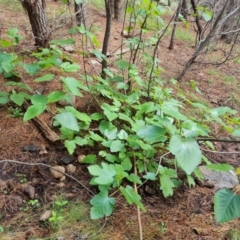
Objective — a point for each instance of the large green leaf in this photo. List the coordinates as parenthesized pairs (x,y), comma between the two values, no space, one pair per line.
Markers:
(187,153)
(67,120)
(34,111)
(226,205)
(102,205)
(152,134)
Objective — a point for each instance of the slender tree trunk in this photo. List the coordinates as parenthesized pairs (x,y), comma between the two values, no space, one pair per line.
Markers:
(218,22)
(116,9)
(38,21)
(184,9)
(197,20)
(79,12)
(108,8)
(175,25)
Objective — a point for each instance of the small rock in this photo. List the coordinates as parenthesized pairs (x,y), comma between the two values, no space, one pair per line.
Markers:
(71,168)
(60,238)
(219,179)
(150,190)
(80,158)
(67,159)
(46,215)
(68,48)
(30,191)
(31,148)
(61,185)
(62,178)
(94,62)
(57,174)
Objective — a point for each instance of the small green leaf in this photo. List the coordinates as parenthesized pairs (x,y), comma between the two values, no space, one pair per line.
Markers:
(122,135)
(81,141)
(220,167)
(31,68)
(90,159)
(39,99)
(236,132)
(47,77)
(17,98)
(134,178)
(150,176)
(70,145)
(4,97)
(117,146)
(56,96)
(70,67)
(67,120)
(97,116)
(73,85)
(33,111)
(122,64)
(63,42)
(131,196)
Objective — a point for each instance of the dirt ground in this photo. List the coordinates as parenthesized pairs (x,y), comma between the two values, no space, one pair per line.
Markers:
(188,214)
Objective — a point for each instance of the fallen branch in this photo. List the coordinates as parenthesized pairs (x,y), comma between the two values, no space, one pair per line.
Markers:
(47,166)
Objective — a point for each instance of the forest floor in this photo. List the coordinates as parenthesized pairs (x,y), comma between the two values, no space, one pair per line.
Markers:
(188,214)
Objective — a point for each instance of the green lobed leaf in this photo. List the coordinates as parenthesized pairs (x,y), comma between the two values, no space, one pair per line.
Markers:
(134,178)
(104,174)
(187,152)
(226,205)
(150,176)
(102,205)
(67,120)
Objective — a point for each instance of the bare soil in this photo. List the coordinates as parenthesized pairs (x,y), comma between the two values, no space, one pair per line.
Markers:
(188,214)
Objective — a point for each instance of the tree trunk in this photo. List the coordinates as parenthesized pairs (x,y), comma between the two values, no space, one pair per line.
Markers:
(108,8)
(184,9)
(116,9)
(175,25)
(79,11)
(37,18)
